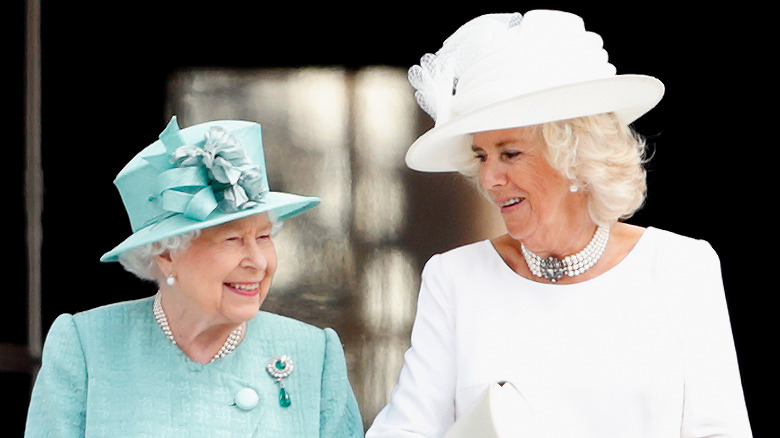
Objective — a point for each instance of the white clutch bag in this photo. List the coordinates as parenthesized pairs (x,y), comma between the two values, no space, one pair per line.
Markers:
(500,412)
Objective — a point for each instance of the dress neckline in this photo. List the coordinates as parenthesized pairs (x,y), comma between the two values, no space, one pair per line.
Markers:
(623,264)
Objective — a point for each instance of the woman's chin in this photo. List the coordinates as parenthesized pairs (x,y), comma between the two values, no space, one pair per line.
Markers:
(243,302)
(517,229)
(241,313)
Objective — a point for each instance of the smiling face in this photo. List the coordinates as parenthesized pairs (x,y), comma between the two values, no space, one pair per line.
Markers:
(226,272)
(535,201)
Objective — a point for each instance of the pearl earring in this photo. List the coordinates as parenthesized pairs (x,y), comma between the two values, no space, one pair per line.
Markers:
(573,188)
(171,280)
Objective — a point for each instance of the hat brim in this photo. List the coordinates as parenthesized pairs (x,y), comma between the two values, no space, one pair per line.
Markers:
(283,205)
(628,96)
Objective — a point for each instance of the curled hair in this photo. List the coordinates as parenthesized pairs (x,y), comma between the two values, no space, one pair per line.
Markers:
(141,262)
(599,154)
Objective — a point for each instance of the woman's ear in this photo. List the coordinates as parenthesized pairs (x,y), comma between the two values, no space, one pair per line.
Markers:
(165,263)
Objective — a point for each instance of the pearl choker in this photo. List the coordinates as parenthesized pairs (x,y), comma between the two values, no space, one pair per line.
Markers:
(162,321)
(553,269)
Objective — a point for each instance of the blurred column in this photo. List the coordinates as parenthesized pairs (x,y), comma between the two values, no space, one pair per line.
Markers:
(385,116)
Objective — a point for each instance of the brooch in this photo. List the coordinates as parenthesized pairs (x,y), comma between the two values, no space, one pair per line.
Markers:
(280,367)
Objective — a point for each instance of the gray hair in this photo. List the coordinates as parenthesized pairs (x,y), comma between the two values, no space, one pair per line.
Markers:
(140,261)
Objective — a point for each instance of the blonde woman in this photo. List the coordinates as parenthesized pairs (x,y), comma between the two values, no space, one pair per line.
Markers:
(606,329)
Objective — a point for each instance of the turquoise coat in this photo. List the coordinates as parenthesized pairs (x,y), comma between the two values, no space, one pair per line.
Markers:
(111,372)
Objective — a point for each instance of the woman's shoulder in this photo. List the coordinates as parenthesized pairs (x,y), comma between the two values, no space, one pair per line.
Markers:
(459,268)
(675,257)
(129,306)
(100,329)
(674,245)
(464,254)
(119,313)
(281,326)
(269,331)
(283,322)
(478,247)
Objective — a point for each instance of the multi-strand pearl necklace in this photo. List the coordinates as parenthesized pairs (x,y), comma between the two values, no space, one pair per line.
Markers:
(553,269)
(162,321)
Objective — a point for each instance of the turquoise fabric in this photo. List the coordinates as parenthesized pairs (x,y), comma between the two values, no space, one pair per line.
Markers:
(169,187)
(111,372)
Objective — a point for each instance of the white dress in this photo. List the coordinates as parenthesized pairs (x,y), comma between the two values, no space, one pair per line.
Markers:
(643,350)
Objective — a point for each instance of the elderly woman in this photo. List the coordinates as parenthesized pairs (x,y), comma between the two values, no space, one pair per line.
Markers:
(198,358)
(605,329)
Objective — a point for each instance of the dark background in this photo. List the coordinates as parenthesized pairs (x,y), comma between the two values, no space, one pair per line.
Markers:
(106,64)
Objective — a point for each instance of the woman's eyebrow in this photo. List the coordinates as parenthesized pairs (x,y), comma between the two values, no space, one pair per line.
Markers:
(499,144)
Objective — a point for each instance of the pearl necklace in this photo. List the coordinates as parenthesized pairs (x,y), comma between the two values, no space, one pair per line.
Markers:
(162,321)
(553,269)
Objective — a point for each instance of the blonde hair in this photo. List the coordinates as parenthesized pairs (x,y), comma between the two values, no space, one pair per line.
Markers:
(599,154)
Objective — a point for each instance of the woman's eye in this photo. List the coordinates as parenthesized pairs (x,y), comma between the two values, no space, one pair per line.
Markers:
(480,157)
(511,154)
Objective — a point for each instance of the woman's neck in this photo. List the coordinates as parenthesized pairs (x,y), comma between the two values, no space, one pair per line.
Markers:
(198,337)
(621,241)
(561,238)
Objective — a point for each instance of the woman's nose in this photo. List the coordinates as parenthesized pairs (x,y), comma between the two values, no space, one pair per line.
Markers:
(492,174)
(255,257)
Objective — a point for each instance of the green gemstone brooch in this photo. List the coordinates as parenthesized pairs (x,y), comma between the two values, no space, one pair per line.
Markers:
(280,367)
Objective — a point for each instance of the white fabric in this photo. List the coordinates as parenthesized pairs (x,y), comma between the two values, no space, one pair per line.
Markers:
(643,350)
(501,71)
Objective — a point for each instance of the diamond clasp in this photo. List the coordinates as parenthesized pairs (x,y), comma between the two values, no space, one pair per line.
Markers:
(552,268)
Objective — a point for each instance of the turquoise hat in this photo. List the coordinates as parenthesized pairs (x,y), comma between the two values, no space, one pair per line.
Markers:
(198,177)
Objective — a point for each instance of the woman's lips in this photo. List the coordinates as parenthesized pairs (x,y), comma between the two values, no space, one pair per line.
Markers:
(246,289)
(510,203)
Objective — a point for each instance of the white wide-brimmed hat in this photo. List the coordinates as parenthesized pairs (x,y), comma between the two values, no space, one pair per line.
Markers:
(501,71)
